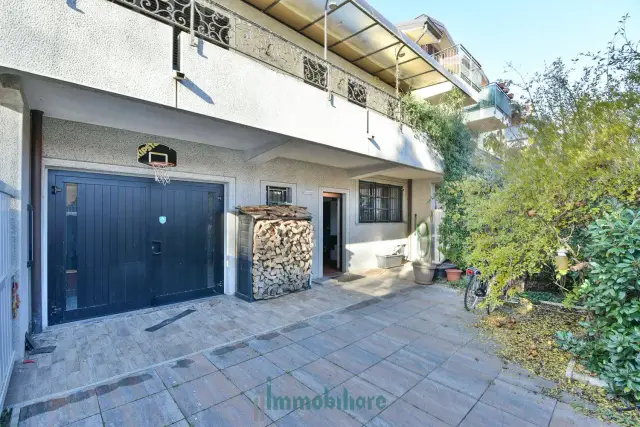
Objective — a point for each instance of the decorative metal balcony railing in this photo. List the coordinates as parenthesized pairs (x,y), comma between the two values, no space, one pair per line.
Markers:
(457,60)
(225,28)
(492,96)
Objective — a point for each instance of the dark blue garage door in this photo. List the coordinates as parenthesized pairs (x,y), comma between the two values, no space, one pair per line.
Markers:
(120,243)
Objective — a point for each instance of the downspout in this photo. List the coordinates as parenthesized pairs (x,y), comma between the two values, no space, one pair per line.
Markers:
(35,164)
(409,217)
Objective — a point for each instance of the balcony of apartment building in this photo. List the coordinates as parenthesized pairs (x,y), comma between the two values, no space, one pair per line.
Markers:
(492,112)
(490,107)
(287,78)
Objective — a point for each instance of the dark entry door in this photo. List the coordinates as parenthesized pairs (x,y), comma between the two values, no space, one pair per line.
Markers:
(109,252)
(186,227)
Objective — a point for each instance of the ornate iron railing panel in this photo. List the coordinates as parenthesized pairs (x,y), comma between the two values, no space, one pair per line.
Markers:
(315,72)
(227,29)
(357,92)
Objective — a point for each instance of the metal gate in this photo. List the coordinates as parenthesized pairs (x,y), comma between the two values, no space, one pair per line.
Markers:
(7,352)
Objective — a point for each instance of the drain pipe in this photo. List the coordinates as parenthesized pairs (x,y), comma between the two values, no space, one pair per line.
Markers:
(35,165)
(410,211)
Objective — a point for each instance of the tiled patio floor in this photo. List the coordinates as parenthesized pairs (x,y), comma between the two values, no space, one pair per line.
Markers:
(409,358)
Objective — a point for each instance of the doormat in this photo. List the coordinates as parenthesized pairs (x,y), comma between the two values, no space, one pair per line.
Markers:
(348,277)
(170,320)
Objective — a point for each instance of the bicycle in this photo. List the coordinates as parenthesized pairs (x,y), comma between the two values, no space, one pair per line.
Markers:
(476,291)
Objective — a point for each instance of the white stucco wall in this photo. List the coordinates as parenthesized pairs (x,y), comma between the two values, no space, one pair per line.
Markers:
(72,141)
(106,46)
(14,137)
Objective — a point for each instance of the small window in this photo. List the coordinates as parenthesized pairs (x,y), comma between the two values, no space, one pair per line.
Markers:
(380,202)
(357,92)
(315,73)
(279,195)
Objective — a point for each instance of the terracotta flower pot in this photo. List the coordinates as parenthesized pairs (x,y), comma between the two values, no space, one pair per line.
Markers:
(453,274)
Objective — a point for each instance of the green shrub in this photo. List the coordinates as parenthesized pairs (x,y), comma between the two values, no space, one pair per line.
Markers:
(610,345)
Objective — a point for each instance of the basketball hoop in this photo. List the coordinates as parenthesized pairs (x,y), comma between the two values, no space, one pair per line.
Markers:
(160,170)
(160,158)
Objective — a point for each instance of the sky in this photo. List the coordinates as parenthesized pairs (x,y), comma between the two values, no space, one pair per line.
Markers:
(528,33)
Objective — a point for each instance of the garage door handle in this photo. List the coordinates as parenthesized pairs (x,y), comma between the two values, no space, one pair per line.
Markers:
(156,247)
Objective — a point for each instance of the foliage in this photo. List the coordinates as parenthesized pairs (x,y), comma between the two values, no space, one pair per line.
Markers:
(610,345)
(582,151)
(443,128)
(528,339)
(537,296)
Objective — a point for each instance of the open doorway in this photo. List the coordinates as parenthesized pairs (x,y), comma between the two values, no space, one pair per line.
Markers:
(332,234)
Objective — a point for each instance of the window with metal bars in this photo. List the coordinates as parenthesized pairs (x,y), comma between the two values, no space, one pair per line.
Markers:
(380,202)
(357,92)
(315,73)
(279,195)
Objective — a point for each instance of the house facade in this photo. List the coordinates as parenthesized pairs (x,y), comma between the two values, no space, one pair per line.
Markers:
(262,101)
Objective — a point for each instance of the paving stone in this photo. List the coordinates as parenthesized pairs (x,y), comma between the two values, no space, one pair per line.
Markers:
(565,416)
(330,321)
(60,411)
(434,346)
(354,359)
(357,329)
(407,308)
(322,417)
(231,355)
(400,334)
(446,332)
(251,373)
(128,389)
(321,374)
(391,377)
(361,399)
(388,317)
(478,359)
(401,414)
(181,423)
(204,392)
(183,370)
(238,411)
(418,324)
(442,402)
(281,396)
(421,364)
(520,377)
(291,357)
(520,402)
(461,378)
(155,410)
(269,342)
(93,421)
(323,344)
(379,345)
(299,331)
(483,415)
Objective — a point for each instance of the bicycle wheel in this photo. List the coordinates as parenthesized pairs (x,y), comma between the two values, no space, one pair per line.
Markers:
(470,293)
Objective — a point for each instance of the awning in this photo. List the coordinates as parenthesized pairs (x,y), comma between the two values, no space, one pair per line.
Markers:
(362,36)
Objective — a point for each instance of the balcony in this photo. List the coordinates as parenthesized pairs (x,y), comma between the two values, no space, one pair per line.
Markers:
(492,112)
(227,29)
(459,62)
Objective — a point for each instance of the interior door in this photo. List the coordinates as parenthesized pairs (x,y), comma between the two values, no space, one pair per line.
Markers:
(186,226)
(97,251)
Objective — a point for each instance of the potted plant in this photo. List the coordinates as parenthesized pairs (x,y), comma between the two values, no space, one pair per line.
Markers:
(453,274)
(423,269)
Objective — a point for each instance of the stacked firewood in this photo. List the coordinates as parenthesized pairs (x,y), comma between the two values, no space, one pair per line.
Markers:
(282,251)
